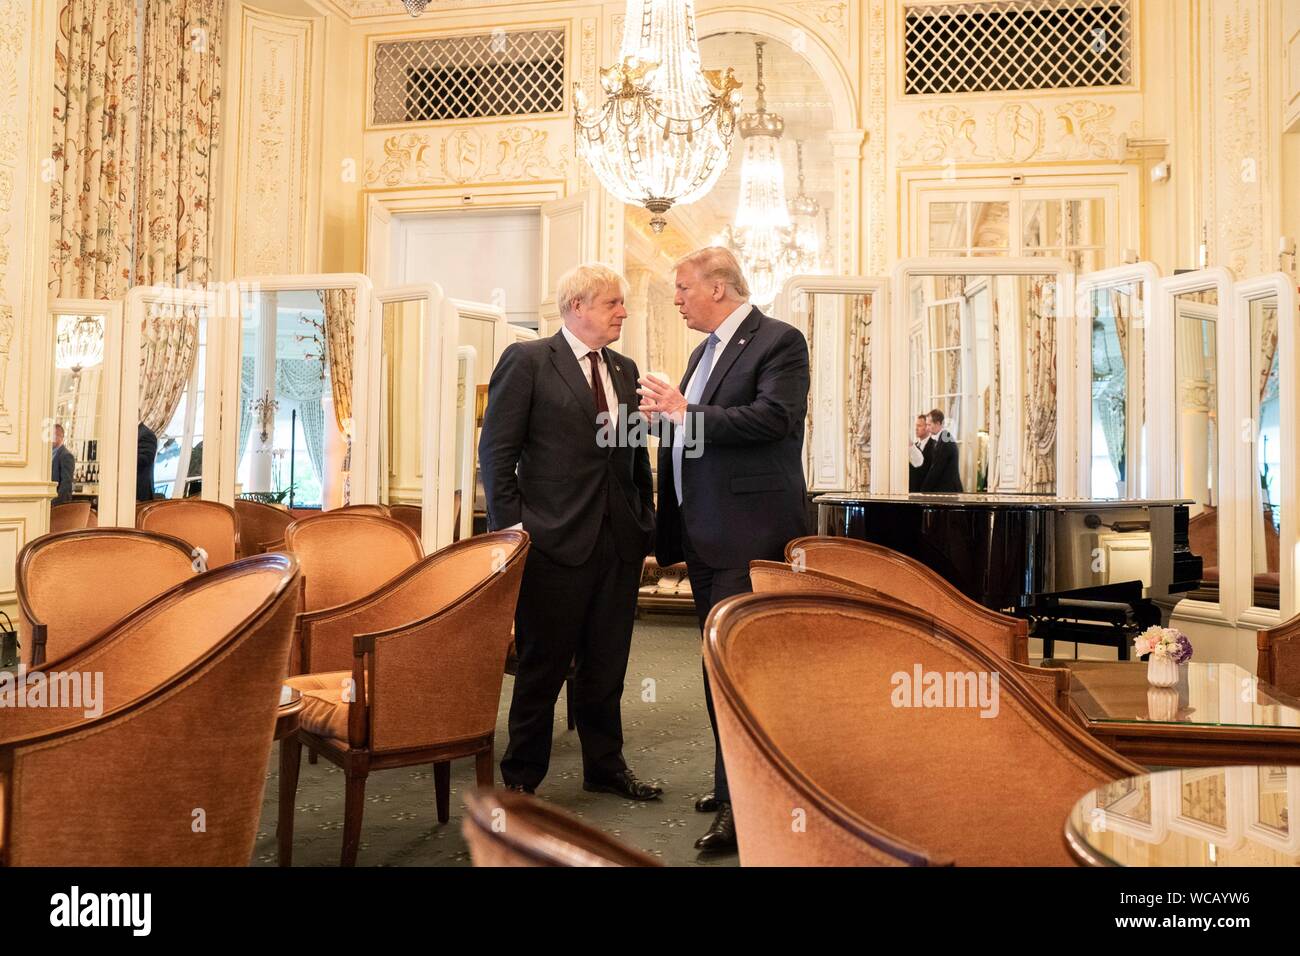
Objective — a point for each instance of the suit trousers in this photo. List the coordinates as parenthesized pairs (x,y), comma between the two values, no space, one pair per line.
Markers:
(710,586)
(583,615)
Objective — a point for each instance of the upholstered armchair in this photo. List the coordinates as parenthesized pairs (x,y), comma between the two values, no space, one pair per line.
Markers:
(410,515)
(911,582)
(998,632)
(820,728)
(75,585)
(409,674)
(538,834)
(260,525)
(169,768)
(209,525)
(1279,656)
(346,554)
(72,516)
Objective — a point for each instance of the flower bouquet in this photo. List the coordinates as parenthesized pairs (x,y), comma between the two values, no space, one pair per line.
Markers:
(1168,647)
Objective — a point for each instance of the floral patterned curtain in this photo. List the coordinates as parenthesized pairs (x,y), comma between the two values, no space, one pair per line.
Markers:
(169,344)
(859,457)
(95,133)
(179,114)
(340,319)
(1038,462)
(1267,350)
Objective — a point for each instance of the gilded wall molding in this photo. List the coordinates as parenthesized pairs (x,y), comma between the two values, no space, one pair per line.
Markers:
(876,123)
(465,154)
(1017,131)
(1238,122)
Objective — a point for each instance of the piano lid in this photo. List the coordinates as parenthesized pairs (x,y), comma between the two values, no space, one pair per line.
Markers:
(993,501)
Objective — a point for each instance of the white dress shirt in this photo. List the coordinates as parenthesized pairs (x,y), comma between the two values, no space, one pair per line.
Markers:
(724,332)
(916,453)
(580,351)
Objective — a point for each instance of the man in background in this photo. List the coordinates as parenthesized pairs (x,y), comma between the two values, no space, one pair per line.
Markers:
(918,457)
(943,476)
(146,452)
(63,466)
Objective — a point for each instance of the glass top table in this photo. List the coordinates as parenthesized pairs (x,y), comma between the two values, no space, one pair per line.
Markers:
(1216,714)
(1209,816)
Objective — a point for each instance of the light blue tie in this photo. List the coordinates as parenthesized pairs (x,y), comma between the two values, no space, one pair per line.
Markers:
(693,393)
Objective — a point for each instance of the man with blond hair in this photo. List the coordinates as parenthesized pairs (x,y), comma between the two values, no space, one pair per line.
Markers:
(562,458)
(731,486)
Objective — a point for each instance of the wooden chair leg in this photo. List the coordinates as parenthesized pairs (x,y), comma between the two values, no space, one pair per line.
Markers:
(442,789)
(311,756)
(290,762)
(484,762)
(353,804)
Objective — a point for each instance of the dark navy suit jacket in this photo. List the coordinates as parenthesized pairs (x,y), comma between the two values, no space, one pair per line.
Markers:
(744,496)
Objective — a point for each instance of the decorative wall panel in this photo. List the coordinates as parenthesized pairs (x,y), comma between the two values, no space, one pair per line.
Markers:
(275,119)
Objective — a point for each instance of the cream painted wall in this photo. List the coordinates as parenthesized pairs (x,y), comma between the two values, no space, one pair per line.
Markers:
(27,31)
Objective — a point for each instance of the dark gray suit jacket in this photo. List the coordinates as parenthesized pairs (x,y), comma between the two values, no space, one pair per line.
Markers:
(542,465)
(63,466)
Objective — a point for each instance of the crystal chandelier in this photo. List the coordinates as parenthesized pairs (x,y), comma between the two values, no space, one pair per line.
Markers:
(79,342)
(761,236)
(663,135)
(415,7)
(807,246)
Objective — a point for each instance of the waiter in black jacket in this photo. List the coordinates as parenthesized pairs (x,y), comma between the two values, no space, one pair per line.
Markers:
(553,464)
(731,483)
(943,475)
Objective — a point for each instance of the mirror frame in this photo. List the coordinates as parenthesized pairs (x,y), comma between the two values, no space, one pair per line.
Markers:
(437,403)
(138,300)
(230,351)
(907,269)
(109,445)
(1148,276)
(825,465)
(1282,286)
(1162,419)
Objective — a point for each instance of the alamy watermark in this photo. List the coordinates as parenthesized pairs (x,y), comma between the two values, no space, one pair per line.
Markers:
(969,689)
(73,690)
(632,429)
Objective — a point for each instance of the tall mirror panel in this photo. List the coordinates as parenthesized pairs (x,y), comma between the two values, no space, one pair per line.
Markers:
(401,443)
(982,383)
(295,396)
(1197,428)
(81,413)
(1266,452)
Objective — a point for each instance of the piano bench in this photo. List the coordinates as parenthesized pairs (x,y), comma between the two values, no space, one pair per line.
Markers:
(1101,623)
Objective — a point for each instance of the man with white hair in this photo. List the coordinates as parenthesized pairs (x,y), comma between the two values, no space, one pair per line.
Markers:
(562,458)
(738,494)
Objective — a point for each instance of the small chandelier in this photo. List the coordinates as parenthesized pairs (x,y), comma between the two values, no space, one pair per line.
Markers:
(79,342)
(663,135)
(762,236)
(806,248)
(415,7)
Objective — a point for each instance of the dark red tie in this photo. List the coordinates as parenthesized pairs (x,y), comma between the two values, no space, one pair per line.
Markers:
(597,386)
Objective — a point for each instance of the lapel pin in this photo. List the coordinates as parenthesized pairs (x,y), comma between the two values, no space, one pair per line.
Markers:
(618,368)
(742,342)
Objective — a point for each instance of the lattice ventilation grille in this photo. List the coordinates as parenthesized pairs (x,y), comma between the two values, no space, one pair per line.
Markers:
(1017,45)
(465,77)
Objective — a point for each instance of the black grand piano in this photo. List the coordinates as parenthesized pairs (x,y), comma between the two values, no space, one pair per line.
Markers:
(1095,571)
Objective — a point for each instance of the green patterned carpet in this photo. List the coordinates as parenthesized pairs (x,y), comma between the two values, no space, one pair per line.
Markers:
(666,739)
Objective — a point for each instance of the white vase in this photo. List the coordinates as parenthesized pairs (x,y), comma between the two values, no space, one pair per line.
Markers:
(1162,703)
(1162,671)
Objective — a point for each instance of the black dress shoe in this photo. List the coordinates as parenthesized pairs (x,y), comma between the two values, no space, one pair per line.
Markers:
(709,803)
(720,837)
(625,784)
(520,788)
